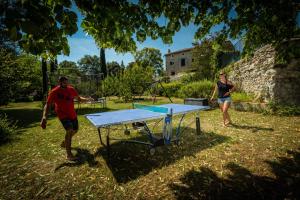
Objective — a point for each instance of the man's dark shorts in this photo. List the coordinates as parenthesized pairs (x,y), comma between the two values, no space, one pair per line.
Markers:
(70,124)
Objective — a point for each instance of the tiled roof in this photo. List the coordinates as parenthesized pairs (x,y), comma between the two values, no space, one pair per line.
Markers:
(179,51)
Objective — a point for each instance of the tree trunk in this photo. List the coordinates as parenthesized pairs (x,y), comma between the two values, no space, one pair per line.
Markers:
(45,78)
(103,62)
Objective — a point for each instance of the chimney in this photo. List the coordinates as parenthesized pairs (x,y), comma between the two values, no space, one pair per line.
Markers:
(169,50)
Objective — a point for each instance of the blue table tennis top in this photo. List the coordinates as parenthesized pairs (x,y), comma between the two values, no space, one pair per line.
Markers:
(110,118)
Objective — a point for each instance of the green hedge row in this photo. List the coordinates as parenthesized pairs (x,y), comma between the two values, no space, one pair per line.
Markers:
(197,89)
(171,89)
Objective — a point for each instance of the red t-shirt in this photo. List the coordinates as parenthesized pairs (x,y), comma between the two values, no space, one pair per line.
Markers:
(63,99)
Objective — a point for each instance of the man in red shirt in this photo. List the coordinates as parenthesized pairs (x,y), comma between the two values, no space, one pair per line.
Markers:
(63,98)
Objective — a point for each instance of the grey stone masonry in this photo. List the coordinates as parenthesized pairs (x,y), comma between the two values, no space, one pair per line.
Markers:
(268,81)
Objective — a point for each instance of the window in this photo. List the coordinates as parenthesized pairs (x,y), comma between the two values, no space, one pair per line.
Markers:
(171,63)
(182,62)
(192,59)
(172,73)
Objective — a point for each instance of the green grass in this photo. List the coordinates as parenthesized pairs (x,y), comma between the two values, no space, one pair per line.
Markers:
(242,97)
(256,158)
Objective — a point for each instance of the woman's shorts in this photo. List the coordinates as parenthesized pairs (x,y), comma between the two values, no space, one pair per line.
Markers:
(223,100)
(70,124)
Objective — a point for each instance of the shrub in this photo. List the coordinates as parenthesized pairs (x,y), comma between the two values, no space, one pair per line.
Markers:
(199,89)
(111,86)
(171,89)
(282,110)
(188,78)
(7,129)
(241,97)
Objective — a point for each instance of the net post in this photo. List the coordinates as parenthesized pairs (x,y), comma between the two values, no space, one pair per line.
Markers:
(198,129)
(198,126)
(108,142)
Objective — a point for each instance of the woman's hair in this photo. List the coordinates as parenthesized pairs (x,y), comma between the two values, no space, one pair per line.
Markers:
(223,72)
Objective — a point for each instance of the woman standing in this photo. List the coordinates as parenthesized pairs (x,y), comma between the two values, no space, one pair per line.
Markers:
(225,88)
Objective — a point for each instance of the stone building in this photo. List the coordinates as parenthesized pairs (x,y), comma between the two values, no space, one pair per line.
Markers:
(178,61)
(182,60)
(269,81)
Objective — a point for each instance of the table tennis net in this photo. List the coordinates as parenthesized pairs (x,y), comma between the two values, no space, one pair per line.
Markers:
(151,108)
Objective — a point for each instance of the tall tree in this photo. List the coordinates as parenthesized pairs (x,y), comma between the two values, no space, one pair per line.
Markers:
(113,68)
(207,57)
(150,57)
(103,62)
(7,65)
(135,80)
(122,65)
(53,65)
(45,77)
(90,64)
(130,65)
(202,54)
(68,68)
(28,78)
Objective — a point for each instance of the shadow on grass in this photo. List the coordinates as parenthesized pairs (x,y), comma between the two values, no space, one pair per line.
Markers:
(252,128)
(128,162)
(242,184)
(25,118)
(84,156)
(20,118)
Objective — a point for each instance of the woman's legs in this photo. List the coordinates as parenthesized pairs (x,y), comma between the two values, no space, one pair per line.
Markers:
(221,105)
(226,116)
(224,105)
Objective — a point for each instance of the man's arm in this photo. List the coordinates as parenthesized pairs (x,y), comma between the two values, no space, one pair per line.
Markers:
(50,100)
(44,117)
(84,99)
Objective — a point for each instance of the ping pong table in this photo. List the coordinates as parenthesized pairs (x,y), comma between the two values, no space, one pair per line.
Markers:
(141,114)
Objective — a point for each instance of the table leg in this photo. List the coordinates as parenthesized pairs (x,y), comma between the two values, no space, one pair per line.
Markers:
(178,129)
(99,133)
(107,143)
(198,129)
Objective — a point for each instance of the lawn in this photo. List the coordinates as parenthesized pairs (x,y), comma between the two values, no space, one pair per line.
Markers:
(258,157)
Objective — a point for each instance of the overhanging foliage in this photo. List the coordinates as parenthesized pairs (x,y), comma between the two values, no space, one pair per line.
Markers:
(42,26)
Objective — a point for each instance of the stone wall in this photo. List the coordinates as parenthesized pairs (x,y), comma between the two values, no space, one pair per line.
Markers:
(268,81)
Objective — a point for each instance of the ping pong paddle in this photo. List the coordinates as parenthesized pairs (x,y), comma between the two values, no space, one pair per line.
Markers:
(43,123)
